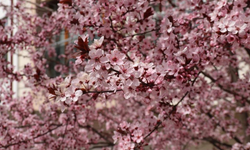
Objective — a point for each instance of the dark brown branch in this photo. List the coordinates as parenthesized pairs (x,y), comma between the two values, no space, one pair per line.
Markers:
(172,111)
(98,92)
(102,146)
(214,144)
(212,140)
(223,88)
(108,117)
(98,133)
(248,51)
(25,141)
(223,129)
(172,3)
(155,128)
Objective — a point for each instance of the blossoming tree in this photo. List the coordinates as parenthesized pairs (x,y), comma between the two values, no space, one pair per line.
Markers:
(162,74)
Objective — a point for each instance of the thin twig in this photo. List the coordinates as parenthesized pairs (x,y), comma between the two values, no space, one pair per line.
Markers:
(24,141)
(172,111)
(98,92)
(223,88)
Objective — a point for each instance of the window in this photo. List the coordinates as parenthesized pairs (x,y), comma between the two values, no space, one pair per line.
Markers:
(61,42)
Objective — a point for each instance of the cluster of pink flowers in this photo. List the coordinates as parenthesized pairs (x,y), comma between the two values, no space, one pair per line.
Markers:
(157,74)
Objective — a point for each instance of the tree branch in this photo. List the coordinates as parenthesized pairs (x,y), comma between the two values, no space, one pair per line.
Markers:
(24,141)
(223,88)
(172,111)
(97,132)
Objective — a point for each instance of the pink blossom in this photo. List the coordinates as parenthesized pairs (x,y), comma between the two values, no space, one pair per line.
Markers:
(116,57)
(129,92)
(137,136)
(97,58)
(97,43)
(63,118)
(162,75)
(73,94)
(226,25)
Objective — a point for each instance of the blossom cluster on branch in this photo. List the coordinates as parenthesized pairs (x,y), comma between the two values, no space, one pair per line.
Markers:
(141,74)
